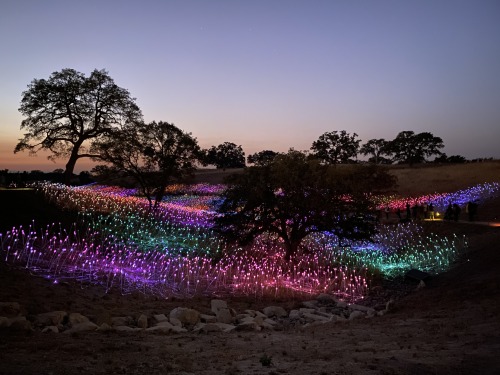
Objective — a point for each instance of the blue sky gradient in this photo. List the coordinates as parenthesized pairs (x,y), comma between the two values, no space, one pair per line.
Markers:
(269,74)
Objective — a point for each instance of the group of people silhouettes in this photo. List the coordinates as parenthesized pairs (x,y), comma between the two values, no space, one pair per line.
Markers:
(452,212)
(426,211)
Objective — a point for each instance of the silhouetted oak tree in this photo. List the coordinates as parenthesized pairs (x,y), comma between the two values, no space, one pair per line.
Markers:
(154,155)
(336,147)
(68,112)
(262,158)
(376,148)
(225,155)
(411,148)
(294,196)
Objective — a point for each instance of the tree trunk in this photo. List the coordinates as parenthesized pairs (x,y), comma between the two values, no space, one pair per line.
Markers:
(290,249)
(160,193)
(70,167)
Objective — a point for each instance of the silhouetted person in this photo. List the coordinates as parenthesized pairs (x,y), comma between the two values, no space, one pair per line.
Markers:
(414,212)
(408,211)
(471,210)
(431,211)
(449,212)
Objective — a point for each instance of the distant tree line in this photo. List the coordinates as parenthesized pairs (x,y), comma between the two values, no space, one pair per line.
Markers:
(340,147)
(23,179)
(74,116)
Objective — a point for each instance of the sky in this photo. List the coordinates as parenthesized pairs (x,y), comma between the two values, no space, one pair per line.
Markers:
(268,74)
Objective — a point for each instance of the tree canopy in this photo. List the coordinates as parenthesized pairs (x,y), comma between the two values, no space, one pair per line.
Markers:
(453,159)
(336,147)
(376,148)
(153,154)
(262,158)
(294,196)
(68,112)
(225,155)
(411,148)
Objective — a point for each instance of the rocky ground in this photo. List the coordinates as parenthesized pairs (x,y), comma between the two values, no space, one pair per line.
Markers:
(449,326)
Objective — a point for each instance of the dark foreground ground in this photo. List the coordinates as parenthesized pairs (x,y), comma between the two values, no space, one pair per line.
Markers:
(452,326)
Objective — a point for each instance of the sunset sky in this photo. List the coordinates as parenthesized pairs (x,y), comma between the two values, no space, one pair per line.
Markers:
(269,74)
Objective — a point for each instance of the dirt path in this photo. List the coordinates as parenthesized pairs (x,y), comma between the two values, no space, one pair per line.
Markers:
(452,326)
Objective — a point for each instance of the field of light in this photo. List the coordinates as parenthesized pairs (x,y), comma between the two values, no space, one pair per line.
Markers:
(174,252)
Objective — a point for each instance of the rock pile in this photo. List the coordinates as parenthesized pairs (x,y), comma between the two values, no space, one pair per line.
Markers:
(325,309)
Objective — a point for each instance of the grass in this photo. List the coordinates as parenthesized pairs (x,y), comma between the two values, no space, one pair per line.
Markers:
(428,179)
(418,180)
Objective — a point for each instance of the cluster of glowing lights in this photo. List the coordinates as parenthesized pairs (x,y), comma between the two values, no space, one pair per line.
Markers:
(259,271)
(119,243)
(440,201)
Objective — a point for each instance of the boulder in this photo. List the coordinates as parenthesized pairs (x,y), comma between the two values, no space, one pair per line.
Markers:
(226,327)
(185,315)
(50,329)
(164,324)
(142,321)
(342,304)
(271,322)
(248,326)
(210,327)
(52,318)
(10,309)
(224,316)
(217,304)
(198,326)
(267,326)
(243,316)
(276,311)
(103,317)
(177,329)
(208,318)
(362,308)
(258,313)
(246,319)
(105,327)
(323,313)
(175,322)
(259,320)
(389,306)
(369,311)
(160,318)
(310,304)
(294,314)
(82,327)
(316,318)
(304,310)
(77,318)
